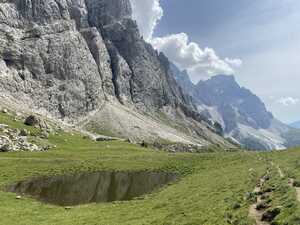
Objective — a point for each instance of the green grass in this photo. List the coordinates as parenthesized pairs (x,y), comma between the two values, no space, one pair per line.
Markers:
(211,190)
(13,123)
(285,196)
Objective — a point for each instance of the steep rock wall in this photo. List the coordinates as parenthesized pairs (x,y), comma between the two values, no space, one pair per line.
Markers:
(72,58)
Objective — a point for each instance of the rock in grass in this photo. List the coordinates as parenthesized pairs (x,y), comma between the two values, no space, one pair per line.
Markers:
(24,133)
(270,215)
(12,141)
(4,111)
(296,183)
(99,139)
(262,205)
(144,144)
(32,121)
(236,206)
(5,144)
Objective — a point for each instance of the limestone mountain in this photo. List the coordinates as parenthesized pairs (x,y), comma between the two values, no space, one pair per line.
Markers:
(85,63)
(235,103)
(242,115)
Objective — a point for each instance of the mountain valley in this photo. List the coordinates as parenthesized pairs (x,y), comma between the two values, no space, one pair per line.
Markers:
(98,127)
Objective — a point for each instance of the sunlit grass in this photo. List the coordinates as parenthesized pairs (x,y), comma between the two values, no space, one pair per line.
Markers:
(211,190)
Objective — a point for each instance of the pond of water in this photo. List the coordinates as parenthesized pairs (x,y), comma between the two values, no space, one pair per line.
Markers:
(70,190)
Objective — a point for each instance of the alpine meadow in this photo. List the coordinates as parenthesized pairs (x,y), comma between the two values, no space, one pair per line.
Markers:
(112,113)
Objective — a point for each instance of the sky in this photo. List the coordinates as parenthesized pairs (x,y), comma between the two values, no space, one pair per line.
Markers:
(256,40)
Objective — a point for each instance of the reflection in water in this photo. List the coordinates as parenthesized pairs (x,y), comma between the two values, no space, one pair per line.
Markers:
(92,187)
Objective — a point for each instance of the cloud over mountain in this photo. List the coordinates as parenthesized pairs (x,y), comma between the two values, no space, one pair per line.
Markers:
(147,13)
(200,63)
(234,62)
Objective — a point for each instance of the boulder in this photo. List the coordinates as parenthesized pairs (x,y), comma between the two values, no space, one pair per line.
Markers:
(5,144)
(4,111)
(14,140)
(262,205)
(270,215)
(32,121)
(104,139)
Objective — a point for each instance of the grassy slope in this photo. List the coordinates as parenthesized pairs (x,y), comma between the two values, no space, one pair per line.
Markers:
(211,188)
(285,196)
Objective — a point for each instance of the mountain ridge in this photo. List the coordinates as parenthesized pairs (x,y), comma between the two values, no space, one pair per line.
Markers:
(242,115)
(85,63)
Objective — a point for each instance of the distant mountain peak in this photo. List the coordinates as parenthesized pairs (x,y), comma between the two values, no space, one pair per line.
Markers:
(242,114)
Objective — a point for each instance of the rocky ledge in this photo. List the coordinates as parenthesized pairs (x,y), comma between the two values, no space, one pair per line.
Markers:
(15,140)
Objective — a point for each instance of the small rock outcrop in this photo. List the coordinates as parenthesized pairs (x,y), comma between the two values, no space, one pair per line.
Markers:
(13,140)
(38,122)
(32,121)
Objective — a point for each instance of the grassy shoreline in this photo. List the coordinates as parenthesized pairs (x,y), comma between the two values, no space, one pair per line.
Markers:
(211,191)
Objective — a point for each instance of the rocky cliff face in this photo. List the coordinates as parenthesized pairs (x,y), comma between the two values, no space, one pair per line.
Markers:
(242,115)
(182,78)
(45,60)
(84,61)
(235,103)
(94,45)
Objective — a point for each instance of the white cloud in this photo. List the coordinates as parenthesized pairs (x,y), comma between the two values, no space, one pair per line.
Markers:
(200,63)
(287,101)
(147,13)
(234,62)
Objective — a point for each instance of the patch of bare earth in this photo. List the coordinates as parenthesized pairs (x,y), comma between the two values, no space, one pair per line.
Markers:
(292,184)
(255,211)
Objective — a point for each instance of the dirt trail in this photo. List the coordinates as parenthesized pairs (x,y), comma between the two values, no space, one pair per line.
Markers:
(254,212)
(281,174)
(258,209)
(291,184)
(298,193)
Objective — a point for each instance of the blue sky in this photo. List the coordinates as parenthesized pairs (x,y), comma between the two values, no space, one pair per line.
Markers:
(263,34)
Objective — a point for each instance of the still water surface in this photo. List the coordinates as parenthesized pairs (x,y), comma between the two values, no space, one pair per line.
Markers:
(70,190)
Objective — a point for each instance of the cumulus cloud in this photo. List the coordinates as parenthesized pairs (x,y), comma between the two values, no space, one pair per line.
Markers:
(200,63)
(147,13)
(287,101)
(234,62)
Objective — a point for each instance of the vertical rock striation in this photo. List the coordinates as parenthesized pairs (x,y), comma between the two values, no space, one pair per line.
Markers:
(73,57)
